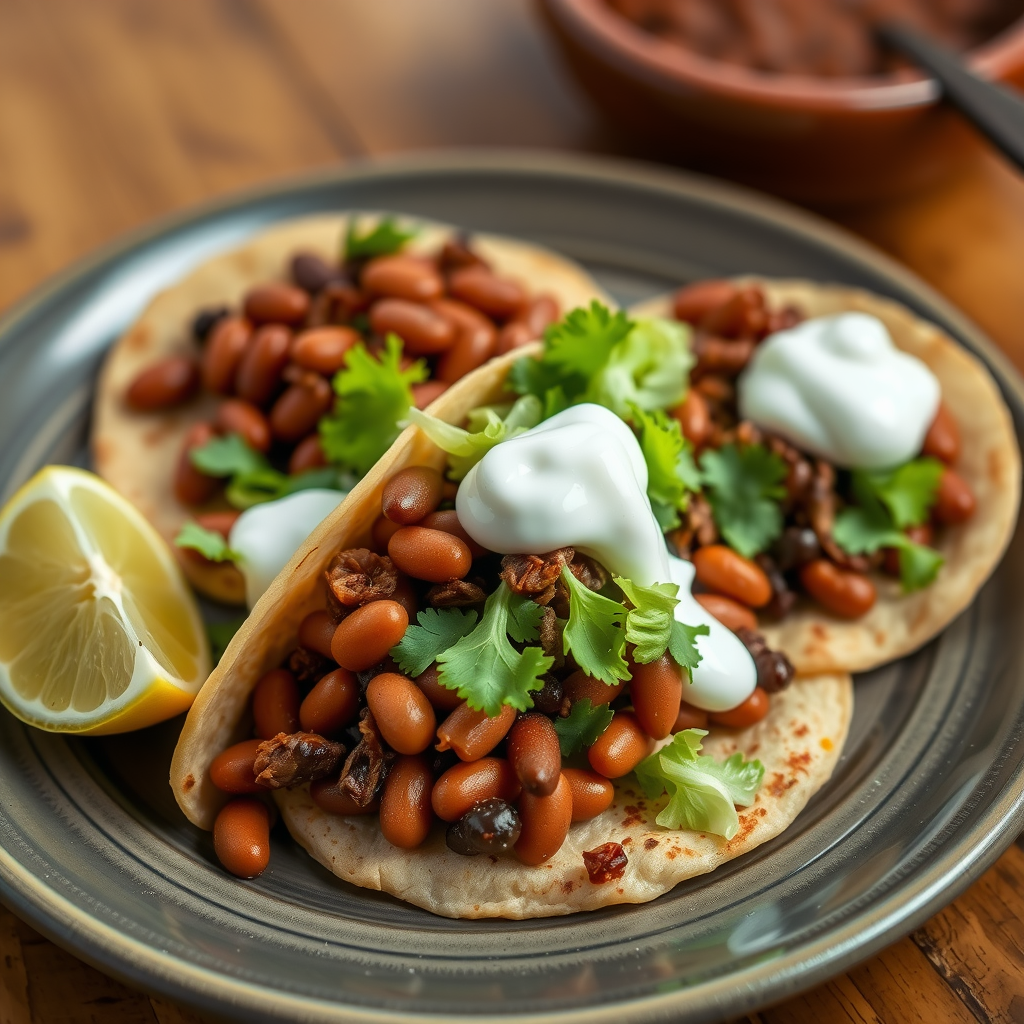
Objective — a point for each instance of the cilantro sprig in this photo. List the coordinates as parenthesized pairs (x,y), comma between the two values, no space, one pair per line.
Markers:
(484,667)
(209,543)
(383,239)
(374,395)
(437,631)
(252,480)
(671,471)
(595,632)
(584,724)
(744,487)
(703,793)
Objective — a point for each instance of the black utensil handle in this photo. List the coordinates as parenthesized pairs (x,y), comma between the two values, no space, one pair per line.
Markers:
(995,111)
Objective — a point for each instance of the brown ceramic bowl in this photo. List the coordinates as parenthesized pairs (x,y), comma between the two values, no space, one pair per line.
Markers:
(812,139)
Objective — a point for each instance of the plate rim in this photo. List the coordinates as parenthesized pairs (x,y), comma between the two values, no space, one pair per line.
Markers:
(836,950)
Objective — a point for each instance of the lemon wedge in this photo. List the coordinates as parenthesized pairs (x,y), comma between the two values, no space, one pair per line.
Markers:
(99,632)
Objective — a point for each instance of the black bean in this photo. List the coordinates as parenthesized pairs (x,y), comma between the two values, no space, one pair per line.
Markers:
(312,272)
(205,321)
(490,826)
(797,546)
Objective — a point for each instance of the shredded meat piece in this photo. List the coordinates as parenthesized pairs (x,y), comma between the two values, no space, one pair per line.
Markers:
(367,766)
(550,635)
(720,356)
(533,575)
(820,507)
(590,573)
(455,594)
(605,864)
(358,575)
(289,760)
(783,598)
(307,665)
(774,670)
(800,473)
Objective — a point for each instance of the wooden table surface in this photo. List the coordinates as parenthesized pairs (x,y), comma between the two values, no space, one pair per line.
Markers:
(113,112)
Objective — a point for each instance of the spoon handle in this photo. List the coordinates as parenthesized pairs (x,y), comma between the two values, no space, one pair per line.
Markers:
(995,111)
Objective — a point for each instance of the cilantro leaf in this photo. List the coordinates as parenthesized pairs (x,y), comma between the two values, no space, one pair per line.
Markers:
(683,647)
(595,632)
(744,486)
(373,395)
(582,341)
(383,239)
(671,473)
(486,428)
(219,635)
(908,491)
(702,792)
(583,726)
(648,368)
(227,456)
(863,529)
(209,543)
(438,630)
(484,667)
(649,621)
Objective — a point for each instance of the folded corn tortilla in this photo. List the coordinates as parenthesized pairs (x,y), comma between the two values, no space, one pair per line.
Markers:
(799,743)
(813,639)
(137,452)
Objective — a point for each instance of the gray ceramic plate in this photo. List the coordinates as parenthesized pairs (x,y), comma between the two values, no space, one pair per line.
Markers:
(94,853)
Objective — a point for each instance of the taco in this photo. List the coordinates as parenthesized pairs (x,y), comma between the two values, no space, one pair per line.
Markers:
(219,396)
(914,584)
(769,763)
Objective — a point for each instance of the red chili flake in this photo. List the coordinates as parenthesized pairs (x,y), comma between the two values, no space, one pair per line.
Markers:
(605,864)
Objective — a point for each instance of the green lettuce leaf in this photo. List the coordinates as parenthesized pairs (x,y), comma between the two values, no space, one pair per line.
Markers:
(671,472)
(702,792)
(209,543)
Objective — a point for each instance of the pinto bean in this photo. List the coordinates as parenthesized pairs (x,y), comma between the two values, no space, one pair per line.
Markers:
(722,569)
(477,286)
(402,712)
(621,747)
(580,686)
(276,303)
(751,711)
(471,734)
(219,522)
(693,302)
(231,770)
(403,277)
(656,690)
(954,500)
(412,494)
(405,594)
(364,638)
(170,382)
(694,418)
(469,782)
(235,416)
(539,312)
(534,753)
(259,372)
(729,613)
(241,837)
(316,631)
(383,530)
(943,438)
(440,697)
(323,349)
(405,811)
(690,717)
(331,704)
(743,315)
(427,392)
(297,412)
(470,350)
(591,793)
(545,821)
(515,334)
(275,704)
(308,454)
(431,555)
(423,331)
(846,594)
(223,353)
(447,520)
(191,487)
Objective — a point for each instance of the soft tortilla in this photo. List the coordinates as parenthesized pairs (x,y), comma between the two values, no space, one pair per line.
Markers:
(799,743)
(137,453)
(899,623)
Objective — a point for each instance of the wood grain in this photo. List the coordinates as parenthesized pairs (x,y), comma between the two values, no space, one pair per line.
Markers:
(114,112)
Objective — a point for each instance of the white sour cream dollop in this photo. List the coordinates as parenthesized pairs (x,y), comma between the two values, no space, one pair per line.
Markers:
(267,535)
(837,386)
(580,479)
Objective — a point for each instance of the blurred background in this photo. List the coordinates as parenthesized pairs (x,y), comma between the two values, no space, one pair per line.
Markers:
(114,112)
